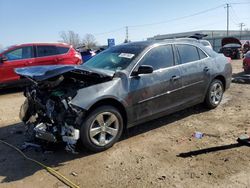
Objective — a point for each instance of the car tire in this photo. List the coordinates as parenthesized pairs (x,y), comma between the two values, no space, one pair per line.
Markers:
(102,128)
(214,94)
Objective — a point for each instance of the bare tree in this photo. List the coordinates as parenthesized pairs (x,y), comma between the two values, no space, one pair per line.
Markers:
(70,37)
(89,41)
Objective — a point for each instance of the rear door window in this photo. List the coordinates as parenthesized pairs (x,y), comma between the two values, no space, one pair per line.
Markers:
(43,51)
(62,50)
(20,53)
(159,57)
(188,53)
(202,55)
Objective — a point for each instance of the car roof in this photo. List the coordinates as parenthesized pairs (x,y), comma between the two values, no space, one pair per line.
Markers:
(166,41)
(41,43)
(35,43)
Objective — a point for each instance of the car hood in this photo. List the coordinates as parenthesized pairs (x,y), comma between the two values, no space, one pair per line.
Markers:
(41,73)
(229,40)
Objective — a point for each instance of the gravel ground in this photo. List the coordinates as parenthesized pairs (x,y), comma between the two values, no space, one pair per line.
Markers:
(147,155)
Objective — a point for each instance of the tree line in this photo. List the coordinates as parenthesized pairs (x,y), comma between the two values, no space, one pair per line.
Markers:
(70,37)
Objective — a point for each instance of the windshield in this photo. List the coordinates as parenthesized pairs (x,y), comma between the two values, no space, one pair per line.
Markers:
(115,58)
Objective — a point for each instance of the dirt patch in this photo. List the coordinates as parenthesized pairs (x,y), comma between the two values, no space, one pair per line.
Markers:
(147,156)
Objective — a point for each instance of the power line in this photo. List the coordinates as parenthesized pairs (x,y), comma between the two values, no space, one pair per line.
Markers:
(233,19)
(161,22)
(236,16)
(213,23)
(240,3)
(112,31)
(179,18)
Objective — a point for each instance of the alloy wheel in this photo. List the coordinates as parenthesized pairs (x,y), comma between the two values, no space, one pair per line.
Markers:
(104,128)
(216,93)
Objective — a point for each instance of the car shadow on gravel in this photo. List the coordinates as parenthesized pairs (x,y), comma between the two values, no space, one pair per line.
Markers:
(154,124)
(14,167)
(10,90)
(241,78)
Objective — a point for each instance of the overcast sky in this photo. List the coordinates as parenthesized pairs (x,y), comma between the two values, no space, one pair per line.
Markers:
(24,21)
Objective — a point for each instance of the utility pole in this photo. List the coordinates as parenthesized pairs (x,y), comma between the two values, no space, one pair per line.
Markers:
(126,39)
(241,26)
(227,6)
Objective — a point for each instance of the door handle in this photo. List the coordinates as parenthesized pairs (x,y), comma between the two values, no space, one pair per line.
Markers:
(28,62)
(59,59)
(206,69)
(174,78)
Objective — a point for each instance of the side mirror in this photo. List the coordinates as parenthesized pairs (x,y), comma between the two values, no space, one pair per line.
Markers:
(3,58)
(143,69)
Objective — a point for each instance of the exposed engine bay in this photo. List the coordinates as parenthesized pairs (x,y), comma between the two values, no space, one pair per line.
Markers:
(47,111)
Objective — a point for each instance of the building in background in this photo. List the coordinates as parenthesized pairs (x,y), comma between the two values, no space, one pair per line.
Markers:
(214,36)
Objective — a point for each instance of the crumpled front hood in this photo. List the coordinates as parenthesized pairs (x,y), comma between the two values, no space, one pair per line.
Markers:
(41,73)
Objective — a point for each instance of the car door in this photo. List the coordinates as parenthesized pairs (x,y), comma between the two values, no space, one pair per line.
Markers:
(194,72)
(65,56)
(46,55)
(152,94)
(16,58)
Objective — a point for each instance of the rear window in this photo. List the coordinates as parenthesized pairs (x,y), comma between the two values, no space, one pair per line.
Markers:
(46,51)
(62,50)
(187,53)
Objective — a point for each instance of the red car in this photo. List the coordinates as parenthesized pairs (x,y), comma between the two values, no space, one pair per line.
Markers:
(246,62)
(34,54)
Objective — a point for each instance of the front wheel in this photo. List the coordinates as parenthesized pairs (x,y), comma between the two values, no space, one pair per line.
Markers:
(102,128)
(214,94)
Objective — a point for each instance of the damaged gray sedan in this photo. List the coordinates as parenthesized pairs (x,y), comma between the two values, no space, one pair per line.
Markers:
(121,87)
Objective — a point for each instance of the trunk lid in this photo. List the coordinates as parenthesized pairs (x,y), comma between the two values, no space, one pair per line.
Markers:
(230,40)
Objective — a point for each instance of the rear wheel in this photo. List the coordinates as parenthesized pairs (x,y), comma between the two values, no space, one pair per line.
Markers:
(102,128)
(214,94)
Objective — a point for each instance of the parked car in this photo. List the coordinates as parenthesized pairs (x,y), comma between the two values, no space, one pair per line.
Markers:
(87,54)
(206,43)
(121,87)
(199,37)
(246,62)
(34,54)
(231,47)
(246,47)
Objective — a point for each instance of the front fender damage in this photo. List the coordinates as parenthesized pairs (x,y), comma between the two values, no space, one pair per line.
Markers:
(47,111)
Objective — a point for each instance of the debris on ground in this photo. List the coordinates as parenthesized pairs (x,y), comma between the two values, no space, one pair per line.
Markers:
(200,135)
(74,174)
(244,79)
(27,145)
